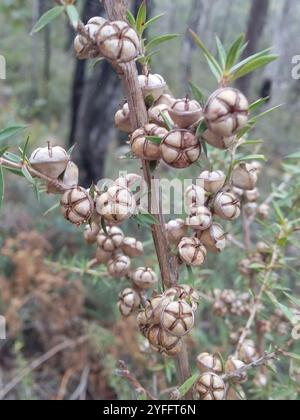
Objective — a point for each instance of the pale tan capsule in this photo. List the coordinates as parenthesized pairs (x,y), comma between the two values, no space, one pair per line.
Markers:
(129,301)
(50,161)
(226,111)
(177,318)
(227,206)
(180,148)
(176,230)
(144,278)
(119,266)
(77,205)
(185,112)
(210,363)
(152,85)
(192,252)
(210,387)
(213,181)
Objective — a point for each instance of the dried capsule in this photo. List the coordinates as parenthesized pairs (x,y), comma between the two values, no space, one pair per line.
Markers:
(152,85)
(248,352)
(155,307)
(194,197)
(102,257)
(244,176)
(130,181)
(185,112)
(129,301)
(226,111)
(145,148)
(184,292)
(116,205)
(199,218)
(234,365)
(119,266)
(77,205)
(209,387)
(263,211)
(177,318)
(214,238)
(176,230)
(90,233)
(192,251)
(165,99)
(122,119)
(50,161)
(217,141)
(180,148)
(227,206)
(252,196)
(71,175)
(156,114)
(164,343)
(213,181)
(144,278)
(132,247)
(112,240)
(118,42)
(210,363)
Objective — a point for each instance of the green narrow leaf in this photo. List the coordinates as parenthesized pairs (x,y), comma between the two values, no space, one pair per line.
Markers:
(13,157)
(24,151)
(153,20)
(3,150)
(131,19)
(27,175)
(48,17)
(154,139)
(73,15)
(146,219)
(263,114)
(249,59)
(197,93)
(214,65)
(287,312)
(249,158)
(154,42)
(293,356)
(141,18)
(51,209)
(2,187)
(221,52)
(258,103)
(11,131)
(188,384)
(191,276)
(234,52)
(103,225)
(293,156)
(167,121)
(254,65)
(278,212)
(202,127)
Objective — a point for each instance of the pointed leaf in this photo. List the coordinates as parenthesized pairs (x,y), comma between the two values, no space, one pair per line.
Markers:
(51,209)
(48,17)
(2,187)
(214,65)
(153,20)
(73,15)
(131,19)
(188,384)
(159,40)
(234,52)
(197,93)
(221,52)
(258,103)
(154,139)
(11,131)
(250,59)
(254,65)
(141,18)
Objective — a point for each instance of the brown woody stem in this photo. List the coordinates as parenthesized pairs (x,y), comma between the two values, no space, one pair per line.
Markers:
(116,10)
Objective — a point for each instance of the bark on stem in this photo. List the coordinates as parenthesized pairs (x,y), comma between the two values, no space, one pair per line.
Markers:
(116,10)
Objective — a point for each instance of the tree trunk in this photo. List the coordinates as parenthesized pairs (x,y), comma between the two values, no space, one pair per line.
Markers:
(188,43)
(257,19)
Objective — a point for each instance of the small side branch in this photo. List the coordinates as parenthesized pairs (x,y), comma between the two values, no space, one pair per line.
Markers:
(125,373)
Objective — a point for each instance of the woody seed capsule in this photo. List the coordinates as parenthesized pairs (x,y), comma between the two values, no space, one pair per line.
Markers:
(177,318)
(180,148)
(144,278)
(185,112)
(209,363)
(122,119)
(210,387)
(119,266)
(111,241)
(132,247)
(200,218)
(118,42)
(226,111)
(244,176)
(227,206)
(217,141)
(176,230)
(213,181)
(50,161)
(77,205)
(129,301)
(164,343)
(192,251)
(152,85)
(145,148)
(214,238)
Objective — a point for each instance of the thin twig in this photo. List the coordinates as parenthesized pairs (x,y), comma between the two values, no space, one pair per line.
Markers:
(35,364)
(125,373)
(81,389)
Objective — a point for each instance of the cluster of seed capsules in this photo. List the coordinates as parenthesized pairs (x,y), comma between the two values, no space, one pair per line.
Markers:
(212,383)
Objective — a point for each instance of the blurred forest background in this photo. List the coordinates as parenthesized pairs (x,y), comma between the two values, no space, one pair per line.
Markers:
(58,305)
